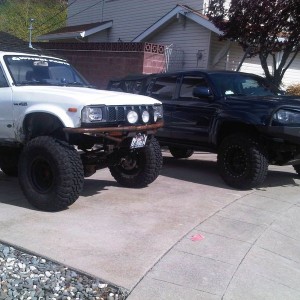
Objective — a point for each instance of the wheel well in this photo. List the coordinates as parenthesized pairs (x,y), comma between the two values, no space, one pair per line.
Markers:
(38,124)
(235,127)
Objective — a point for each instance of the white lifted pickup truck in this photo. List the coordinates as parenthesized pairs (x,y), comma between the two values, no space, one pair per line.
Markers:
(55,129)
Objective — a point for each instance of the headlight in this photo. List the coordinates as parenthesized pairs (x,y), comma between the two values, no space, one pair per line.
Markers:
(91,114)
(286,117)
(158,112)
(145,116)
(132,117)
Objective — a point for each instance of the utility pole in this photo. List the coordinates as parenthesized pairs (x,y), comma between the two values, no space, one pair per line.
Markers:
(30,31)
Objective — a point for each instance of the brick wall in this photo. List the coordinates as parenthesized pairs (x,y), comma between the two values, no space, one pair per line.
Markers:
(100,62)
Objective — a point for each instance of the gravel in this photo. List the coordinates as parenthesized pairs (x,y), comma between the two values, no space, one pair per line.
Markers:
(24,276)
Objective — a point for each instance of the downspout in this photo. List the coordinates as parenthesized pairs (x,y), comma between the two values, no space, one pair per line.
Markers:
(209,50)
(103,2)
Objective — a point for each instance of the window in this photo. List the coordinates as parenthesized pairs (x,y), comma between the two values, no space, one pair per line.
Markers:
(163,88)
(3,82)
(137,87)
(33,70)
(115,86)
(188,85)
(133,86)
(254,87)
(239,84)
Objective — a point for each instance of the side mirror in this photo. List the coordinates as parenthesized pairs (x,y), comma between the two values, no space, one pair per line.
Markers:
(201,92)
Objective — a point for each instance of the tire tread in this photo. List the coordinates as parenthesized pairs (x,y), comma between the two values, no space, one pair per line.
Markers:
(71,176)
(258,158)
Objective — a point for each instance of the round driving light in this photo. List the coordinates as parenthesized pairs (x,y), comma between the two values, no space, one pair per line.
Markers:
(145,116)
(132,116)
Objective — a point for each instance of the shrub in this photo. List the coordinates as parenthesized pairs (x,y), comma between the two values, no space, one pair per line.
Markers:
(293,89)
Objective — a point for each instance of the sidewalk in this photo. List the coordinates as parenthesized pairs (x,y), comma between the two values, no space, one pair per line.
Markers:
(186,236)
(250,250)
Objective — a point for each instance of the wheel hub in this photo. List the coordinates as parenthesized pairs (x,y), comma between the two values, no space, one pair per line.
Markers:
(236,161)
(128,163)
(42,175)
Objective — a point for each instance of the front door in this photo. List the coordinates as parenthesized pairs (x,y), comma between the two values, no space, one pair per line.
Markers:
(163,88)
(192,116)
(6,110)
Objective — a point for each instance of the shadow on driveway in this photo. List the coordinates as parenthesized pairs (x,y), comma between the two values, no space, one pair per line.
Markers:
(201,169)
(11,193)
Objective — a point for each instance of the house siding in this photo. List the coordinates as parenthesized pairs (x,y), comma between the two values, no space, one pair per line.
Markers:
(130,17)
(100,37)
(215,46)
(250,65)
(187,37)
(292,74)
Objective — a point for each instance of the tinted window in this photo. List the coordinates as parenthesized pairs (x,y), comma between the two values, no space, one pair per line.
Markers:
(188,85)
(3,82)
(137,87)
(115,86)
(133,86)
(243,85)
(163,88)
(127,86)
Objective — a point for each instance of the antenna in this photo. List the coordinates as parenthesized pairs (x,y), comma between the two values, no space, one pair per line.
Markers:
(30,31)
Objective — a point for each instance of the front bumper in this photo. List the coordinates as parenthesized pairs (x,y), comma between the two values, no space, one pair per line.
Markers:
(116,134)
(285,133)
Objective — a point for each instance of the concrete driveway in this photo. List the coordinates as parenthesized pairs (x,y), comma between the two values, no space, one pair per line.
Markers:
(186,236)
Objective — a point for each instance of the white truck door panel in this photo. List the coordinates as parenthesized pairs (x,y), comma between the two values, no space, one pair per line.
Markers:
(6,109)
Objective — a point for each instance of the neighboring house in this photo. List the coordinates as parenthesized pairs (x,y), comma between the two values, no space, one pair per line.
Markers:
(190,40)
(9,42)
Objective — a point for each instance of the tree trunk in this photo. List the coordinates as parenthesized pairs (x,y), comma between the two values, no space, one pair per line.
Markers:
(284,64)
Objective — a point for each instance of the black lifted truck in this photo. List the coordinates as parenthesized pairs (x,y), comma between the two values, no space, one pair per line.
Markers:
(249,123)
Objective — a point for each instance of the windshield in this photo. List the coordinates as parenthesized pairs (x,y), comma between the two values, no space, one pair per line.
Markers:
(38,70)
(237,84)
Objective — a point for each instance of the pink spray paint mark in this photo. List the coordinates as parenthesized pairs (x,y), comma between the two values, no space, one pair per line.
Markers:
(197,237)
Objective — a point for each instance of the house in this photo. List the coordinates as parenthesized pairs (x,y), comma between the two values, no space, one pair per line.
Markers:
(190,40)
(9,42)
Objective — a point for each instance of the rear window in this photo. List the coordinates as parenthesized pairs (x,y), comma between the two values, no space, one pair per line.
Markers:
(163,88)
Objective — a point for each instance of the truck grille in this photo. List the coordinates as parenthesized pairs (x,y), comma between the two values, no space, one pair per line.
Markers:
(118,113)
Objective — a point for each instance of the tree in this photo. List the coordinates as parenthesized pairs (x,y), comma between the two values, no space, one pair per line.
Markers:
(269,29)
(15,16)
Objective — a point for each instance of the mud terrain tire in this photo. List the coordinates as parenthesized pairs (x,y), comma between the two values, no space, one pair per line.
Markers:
(242,162)
(181,152)
(140,167)
(50,173)
(9,162)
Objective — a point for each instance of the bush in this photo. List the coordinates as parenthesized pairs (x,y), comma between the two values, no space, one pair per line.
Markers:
(293,89)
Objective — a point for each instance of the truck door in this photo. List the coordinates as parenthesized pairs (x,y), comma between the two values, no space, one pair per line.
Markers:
(192,115)
(6,109)
(163,88)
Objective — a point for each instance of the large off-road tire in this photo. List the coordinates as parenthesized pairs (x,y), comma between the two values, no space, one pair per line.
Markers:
(242,162)
(181,152)
(9,162)
(50,173)
(297,169)
(139,167)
